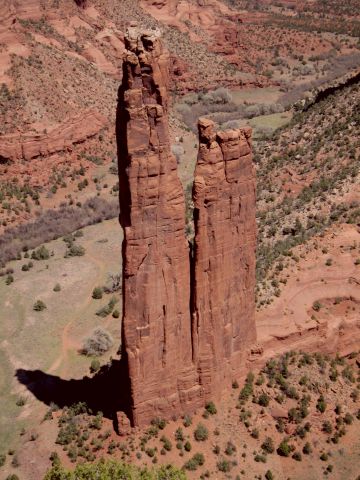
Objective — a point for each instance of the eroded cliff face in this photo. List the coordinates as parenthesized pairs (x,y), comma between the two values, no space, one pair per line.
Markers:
(156,292)
(187,319)
(225,242)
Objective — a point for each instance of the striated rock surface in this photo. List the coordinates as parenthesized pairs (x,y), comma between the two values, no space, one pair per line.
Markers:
(224,267)
(156,292)
(73,130)
(187,319)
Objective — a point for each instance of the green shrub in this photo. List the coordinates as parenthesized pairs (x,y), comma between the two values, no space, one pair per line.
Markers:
(39,306)
(321,404)
(269,475)
(224,466)
(307,449)
(57,288)
(211,408)
(284,449)
(230,448)
(95,365)
(348,419)
(179,435)
(41,253)
(268,445)
(327,427)
(201,433)
(75,250)
(187,421)
(97,293)
(20,402)
(158,422)
(197,460)
(116,314)
(107,309)
(2,460)
(247,389)
(166,443)
(264,400)
(187,446)
(260,458)
(297,456)
(9,279)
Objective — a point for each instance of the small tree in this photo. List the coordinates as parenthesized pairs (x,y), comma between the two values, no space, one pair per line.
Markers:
(98,343)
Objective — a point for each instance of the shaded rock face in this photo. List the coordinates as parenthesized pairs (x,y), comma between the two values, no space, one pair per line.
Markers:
(185,318)
(81,3)
(156,290)
(224,281)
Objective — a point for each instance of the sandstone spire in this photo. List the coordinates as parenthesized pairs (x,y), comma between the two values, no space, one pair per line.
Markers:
(187,319)
(156,272)
(224,270)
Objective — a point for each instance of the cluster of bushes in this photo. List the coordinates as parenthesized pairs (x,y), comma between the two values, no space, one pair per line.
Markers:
(54,224)
(73,249)
(222,109)
(107,309)
(110,469)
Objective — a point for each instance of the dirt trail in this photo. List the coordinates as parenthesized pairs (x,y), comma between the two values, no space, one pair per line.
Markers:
(66,342)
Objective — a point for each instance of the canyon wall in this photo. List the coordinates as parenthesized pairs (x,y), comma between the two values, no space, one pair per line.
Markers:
(77,129)
(188,316)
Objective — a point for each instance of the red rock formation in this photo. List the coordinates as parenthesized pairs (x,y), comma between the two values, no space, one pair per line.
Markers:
(156,292)
(74,130)
(224,275)
(181,346)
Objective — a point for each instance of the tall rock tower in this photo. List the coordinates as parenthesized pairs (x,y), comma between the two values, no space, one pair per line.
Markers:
(187,319)
(224,268)
(156,271)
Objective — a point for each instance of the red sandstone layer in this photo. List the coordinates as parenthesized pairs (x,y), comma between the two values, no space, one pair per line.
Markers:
(74,130)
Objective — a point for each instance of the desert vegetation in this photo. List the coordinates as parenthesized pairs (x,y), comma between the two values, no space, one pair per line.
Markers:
(300,408)
(302,180)
(54,224)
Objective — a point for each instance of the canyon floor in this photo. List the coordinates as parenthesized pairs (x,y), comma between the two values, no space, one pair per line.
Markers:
(318,310)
